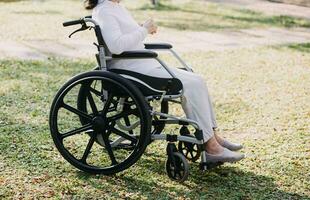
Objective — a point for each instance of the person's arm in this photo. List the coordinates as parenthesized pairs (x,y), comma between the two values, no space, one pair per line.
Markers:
(115,40)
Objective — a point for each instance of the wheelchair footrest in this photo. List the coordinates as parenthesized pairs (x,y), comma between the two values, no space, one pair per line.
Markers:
(209,166)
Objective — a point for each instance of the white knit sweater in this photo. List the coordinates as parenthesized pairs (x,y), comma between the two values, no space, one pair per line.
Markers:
(120,31)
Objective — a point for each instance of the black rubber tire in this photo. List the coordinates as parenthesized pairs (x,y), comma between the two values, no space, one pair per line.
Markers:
(142,108)
(181,164)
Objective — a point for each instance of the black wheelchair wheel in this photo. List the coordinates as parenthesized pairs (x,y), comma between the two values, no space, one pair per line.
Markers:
(177,169)
(86,132)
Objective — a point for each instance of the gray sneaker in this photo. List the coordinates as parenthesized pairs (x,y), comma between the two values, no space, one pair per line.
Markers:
(225,156)
(232,146)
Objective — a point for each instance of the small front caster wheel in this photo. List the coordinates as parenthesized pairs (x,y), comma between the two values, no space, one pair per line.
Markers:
(177,167)
(189,150)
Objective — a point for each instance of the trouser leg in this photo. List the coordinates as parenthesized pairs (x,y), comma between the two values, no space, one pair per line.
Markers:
(196,102)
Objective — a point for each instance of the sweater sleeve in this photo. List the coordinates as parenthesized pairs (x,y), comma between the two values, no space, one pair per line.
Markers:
(115,40)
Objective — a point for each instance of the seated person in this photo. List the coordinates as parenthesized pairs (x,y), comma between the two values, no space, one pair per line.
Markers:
(122,33)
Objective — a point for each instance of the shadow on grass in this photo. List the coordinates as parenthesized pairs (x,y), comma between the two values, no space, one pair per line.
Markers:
(161,7)
(9,1)
(148,177)
(222,183)
(304,47)
(281,20)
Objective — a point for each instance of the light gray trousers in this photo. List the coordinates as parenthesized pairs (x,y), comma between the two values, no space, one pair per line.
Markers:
(196,101)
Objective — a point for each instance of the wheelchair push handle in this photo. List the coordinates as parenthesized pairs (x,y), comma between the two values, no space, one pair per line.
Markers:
(79,21)
(83,22)
(74,22)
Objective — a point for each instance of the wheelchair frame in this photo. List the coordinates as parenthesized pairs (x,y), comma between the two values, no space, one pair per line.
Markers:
(104,56)
(174,120)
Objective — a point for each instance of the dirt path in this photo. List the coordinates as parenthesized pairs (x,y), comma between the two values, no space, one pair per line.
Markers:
(267,7)
(182,41)
(246,38)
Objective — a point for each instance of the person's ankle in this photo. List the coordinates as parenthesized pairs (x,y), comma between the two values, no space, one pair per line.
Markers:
(214,150)
(213,147)
(219,139)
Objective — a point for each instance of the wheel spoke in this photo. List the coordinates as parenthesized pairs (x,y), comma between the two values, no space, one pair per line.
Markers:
(92,103)
(127,122)
(76,111)
(116,117)
(96,92)
(109,149)
(88,148)
(107,104)
(102,89)
(76,131)
(121,115)
(124,135)
(191,154)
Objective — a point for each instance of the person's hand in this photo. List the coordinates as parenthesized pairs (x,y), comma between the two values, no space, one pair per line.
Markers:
(150,26)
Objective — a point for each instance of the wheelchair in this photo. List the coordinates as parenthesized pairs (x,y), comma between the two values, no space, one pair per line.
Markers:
(102,121)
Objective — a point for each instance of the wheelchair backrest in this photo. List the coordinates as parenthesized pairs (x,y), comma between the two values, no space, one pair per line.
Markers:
(100,37)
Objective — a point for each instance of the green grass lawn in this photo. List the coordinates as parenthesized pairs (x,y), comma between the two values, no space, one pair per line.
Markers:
(261,97)
(262,102)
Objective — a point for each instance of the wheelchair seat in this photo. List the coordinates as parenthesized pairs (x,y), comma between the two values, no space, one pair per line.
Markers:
(151,86)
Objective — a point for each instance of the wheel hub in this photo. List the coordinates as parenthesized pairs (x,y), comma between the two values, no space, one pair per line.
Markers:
(99,124)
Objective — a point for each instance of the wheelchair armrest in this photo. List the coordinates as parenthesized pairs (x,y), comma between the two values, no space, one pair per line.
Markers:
(135,54)
(158,46)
